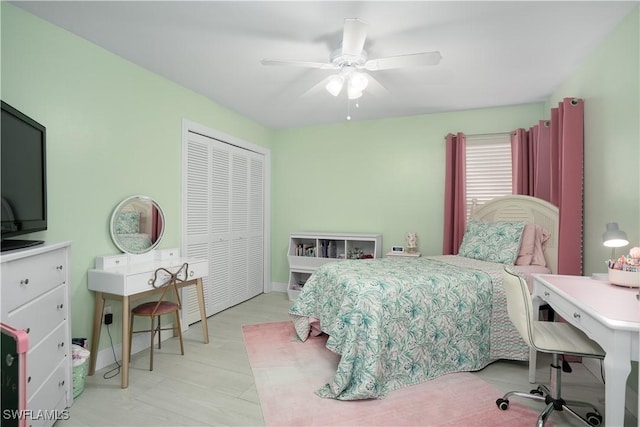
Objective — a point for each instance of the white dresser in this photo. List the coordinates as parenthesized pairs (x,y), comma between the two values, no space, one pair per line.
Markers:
(35,298)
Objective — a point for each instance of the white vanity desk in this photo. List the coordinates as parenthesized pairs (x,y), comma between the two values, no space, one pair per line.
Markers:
(129,277)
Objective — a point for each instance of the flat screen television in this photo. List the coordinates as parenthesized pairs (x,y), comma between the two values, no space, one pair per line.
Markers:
(23,178)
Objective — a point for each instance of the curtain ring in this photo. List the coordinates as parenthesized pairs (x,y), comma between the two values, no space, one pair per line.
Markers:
(547,123)
(574,101)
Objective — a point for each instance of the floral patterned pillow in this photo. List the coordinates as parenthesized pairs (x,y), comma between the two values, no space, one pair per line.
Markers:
(127,222)
(492,241)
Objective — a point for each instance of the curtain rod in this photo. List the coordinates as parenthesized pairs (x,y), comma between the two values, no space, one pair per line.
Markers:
(474,135)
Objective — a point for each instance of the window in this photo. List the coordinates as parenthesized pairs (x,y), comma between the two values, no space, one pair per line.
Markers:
(488,168)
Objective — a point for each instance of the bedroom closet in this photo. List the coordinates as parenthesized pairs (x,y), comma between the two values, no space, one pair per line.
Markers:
(223,217)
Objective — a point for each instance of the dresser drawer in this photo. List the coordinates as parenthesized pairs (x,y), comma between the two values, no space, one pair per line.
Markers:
(26,278)
(49,403)
(40,316)
(560,305)
(137,283)
(43,358)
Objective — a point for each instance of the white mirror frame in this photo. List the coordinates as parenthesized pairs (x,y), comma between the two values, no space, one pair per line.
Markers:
(138,236)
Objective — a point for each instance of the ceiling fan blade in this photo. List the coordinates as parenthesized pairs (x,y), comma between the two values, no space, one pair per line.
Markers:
(354,36)
(319,87)
(401,61)
(375,87)
(319,65)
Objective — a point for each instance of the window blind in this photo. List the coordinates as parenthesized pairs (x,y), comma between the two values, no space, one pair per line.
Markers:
(488,165)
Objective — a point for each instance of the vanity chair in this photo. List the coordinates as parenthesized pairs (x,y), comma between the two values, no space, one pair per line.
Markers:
(154,310)
(152,278)
(547,337)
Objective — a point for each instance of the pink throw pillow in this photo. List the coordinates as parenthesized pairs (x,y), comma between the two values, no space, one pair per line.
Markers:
(531,246)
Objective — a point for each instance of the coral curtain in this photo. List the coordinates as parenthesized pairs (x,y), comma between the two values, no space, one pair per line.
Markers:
(548,164)
(156,224)
(455,205)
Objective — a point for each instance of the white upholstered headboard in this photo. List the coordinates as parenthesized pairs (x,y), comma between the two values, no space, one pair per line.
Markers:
(530,210)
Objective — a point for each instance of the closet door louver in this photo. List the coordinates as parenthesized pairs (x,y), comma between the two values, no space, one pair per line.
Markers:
(225,211)
(196,219)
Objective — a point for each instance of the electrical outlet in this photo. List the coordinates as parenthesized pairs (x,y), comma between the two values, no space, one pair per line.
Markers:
(107,315)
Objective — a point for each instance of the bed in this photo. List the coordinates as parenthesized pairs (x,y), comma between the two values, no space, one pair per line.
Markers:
(398,322)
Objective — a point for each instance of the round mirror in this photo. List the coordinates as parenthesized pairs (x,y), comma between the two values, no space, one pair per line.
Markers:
(137,225)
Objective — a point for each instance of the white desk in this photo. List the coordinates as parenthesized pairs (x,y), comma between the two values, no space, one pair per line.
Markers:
(127,278)
(608,314)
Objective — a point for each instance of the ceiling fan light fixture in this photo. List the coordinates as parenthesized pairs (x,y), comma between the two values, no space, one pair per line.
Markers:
(334,85)
(353,94)
(358,81)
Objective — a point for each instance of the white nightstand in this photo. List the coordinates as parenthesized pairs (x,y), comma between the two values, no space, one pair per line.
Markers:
(403,254)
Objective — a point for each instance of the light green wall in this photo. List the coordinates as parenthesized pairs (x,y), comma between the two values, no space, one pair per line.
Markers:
(387,175)
(380,176)
(113,130)
(609,82)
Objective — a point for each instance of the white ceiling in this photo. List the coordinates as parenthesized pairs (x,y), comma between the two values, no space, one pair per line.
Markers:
(494,53)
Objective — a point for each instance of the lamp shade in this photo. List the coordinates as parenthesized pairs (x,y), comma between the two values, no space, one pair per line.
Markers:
(358,81)
(334,85)
(614,237)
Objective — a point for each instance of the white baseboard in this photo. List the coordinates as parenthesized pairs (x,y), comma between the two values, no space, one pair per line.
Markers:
(631,396)
(140,342)
(279,287)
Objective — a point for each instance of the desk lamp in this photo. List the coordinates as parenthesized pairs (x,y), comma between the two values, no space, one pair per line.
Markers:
(614,238)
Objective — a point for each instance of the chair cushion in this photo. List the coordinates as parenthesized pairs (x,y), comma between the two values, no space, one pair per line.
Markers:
(146,309)
(560,337)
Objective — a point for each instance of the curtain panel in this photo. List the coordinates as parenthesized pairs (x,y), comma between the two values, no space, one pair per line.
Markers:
(455,205)
(548,164)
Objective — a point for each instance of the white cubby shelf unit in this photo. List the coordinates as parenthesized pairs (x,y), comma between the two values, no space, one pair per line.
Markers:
(308,251)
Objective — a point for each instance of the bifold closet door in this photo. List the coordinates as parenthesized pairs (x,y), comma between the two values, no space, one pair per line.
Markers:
(224,215)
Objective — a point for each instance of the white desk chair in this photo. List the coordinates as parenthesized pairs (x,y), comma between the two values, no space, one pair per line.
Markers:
(548,337)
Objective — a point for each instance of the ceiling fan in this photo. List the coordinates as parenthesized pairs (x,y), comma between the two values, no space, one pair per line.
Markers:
(351,63)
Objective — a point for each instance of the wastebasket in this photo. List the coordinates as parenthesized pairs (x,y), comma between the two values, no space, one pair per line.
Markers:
(80,361)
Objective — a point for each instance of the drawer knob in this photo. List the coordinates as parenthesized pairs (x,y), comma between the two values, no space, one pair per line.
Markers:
(29,379)
(61,345)
(61,383)
(59,267)
(60,306)
(546,293)
(27,330)
(576,315)
(24,281)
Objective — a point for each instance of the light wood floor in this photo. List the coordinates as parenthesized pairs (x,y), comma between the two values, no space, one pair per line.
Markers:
(212,385)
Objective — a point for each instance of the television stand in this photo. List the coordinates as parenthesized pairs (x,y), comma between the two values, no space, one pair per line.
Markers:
(12,244)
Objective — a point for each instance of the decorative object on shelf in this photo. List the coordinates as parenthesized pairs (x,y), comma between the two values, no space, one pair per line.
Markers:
(614,238)
(397,249)
(332,250)
(355,253)
(412,242)
(625,270)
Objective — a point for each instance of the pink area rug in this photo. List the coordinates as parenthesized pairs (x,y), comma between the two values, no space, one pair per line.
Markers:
(287,372)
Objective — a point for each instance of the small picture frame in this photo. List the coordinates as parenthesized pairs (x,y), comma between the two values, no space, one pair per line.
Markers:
(397,249)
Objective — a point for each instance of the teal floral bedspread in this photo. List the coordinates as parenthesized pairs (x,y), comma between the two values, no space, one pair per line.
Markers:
(399,322)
